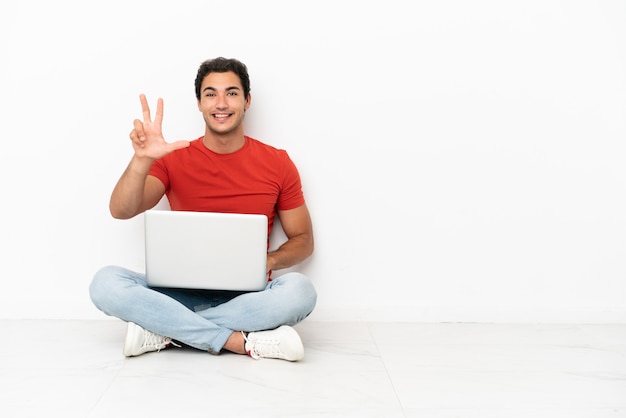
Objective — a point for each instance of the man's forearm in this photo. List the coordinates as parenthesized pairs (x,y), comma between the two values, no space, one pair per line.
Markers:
(292,252)
(127,195)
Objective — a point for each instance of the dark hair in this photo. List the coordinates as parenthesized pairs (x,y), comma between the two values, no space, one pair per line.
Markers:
(222,65)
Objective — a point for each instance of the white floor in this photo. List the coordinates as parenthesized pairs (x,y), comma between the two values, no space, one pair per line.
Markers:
(76,369)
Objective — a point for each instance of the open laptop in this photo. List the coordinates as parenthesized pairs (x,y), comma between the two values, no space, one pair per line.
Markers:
(205,250)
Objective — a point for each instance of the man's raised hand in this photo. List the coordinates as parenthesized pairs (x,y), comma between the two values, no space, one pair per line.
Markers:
(147,137)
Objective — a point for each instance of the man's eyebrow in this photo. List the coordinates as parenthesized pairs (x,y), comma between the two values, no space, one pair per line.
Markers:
(227,88)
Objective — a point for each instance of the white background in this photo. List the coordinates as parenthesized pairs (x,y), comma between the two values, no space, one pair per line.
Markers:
(462,160)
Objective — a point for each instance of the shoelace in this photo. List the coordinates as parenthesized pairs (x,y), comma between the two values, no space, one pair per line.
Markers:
(159,342)
(264,347)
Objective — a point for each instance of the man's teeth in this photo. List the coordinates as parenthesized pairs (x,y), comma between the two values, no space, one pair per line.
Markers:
(221,115)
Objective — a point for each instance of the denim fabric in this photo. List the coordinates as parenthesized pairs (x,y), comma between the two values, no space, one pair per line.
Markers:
(200,318)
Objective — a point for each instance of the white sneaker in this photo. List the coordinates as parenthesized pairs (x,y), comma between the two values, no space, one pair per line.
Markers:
(139,341)
(282,343)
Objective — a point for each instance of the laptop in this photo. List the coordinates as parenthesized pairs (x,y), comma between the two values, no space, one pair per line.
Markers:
(205,250)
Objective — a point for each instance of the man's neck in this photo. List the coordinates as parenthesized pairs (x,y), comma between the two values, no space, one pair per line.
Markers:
(224,144)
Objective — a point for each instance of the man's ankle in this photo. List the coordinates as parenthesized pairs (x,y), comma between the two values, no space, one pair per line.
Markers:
(236,343)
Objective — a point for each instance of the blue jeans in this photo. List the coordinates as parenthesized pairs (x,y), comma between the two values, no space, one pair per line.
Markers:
(200,318)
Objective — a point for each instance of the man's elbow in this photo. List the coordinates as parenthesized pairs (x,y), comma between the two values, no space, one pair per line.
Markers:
(118,213)
(310,246)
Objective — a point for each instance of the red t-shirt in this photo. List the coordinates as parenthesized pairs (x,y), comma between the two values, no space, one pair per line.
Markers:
(257,178)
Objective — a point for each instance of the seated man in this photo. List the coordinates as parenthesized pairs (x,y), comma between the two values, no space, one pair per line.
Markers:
(222,171)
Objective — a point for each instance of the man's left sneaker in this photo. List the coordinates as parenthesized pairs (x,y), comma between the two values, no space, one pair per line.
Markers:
(280,343)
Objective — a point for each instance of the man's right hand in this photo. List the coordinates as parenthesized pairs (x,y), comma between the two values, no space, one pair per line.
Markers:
(147,137)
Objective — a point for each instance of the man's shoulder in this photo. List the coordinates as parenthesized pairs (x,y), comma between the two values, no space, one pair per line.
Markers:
(265,147)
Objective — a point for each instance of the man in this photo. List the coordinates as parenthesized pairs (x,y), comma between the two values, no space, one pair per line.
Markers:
(222,171)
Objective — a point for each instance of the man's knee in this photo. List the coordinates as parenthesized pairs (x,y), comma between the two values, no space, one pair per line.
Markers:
(303,296)
(101,288)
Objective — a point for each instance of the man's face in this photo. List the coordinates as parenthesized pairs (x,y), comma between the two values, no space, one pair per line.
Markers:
(222,102)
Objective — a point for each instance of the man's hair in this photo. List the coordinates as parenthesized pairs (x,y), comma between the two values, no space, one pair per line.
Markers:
(222,65)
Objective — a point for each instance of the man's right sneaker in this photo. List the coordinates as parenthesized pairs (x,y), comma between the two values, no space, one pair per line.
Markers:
(139,341)
(281,343)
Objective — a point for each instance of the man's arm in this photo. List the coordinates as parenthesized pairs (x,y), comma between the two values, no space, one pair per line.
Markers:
(136,191)
(296,224)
